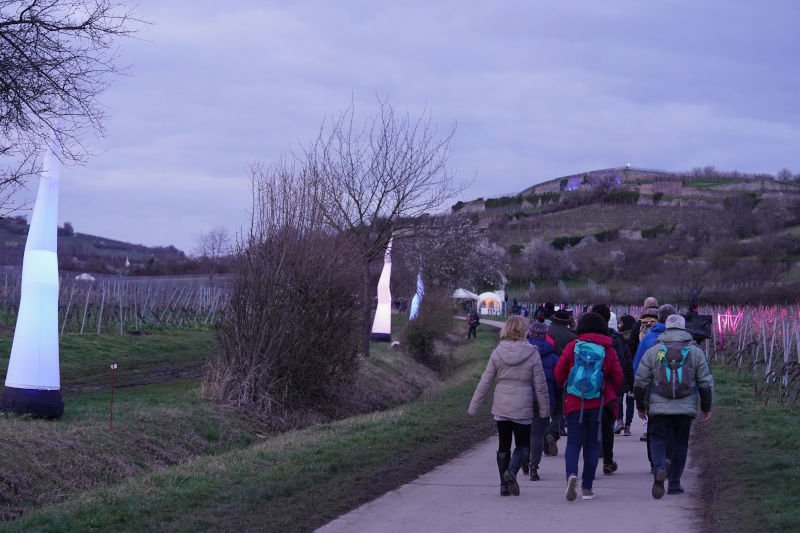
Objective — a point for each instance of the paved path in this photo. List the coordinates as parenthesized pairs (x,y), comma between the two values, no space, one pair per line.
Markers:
(464,496)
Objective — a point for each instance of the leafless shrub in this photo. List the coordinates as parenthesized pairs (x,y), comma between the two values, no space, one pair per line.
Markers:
(290,337)
(431,325)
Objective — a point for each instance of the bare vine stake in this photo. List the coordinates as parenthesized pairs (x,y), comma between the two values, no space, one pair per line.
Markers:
(86,308)
(100,314)
(66,314)
(111,405)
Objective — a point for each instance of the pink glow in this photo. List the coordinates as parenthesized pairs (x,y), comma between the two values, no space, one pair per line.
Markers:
(728,323)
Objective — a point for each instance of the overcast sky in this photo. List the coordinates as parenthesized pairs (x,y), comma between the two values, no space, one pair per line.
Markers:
(536,90)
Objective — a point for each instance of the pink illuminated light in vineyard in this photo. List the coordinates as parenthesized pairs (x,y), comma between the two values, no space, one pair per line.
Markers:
(728,323)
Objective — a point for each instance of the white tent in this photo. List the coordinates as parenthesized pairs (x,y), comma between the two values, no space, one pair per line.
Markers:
(490,303)
(463,294)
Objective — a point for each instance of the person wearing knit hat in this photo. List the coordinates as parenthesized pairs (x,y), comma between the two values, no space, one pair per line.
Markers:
(668,398)
(544,430)
(649,317)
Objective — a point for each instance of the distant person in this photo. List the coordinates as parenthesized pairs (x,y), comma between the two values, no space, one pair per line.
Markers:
(517,367)
(672,375)
(590,374)
(473,321)
(544,431)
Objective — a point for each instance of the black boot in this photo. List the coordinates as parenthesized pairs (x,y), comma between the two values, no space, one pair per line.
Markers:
(503,460)
(519,455)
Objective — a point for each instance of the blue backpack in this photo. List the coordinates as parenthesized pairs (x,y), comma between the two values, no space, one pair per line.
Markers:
(586,377)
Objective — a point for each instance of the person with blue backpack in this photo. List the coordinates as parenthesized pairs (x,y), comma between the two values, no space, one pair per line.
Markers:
(590,374)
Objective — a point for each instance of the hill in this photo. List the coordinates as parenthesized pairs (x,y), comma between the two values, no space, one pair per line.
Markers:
(82,252)
(637,230)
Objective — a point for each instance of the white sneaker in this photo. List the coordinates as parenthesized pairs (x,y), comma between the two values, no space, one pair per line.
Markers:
(587,495)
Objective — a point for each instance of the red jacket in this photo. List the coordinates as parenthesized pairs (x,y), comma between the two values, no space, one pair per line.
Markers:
(612,373)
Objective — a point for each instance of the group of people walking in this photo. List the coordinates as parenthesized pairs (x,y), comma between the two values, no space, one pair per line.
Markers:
(554,377)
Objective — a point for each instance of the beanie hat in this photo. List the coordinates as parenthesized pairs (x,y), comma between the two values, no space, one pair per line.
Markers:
(612,322)
(675,322)
(538,330)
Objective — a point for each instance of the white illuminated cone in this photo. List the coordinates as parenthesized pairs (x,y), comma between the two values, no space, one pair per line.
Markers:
(33,381)
(416,301)
(382,325)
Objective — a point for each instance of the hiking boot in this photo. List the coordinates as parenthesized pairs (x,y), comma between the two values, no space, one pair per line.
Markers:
(675,490)
(610,468)
(525,467)
(618,425)
(587,494)
(552,447)
(534,473)
(572,482)
(504,491)
(627,431)
(658,484)
(511,482)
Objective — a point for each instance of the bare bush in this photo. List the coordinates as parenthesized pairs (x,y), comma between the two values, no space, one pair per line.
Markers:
(433,322)
(290,337)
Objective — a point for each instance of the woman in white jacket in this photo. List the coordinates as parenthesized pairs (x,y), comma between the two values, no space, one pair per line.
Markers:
(516,365)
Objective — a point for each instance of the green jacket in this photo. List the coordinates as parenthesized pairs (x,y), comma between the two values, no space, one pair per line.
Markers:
(659,405)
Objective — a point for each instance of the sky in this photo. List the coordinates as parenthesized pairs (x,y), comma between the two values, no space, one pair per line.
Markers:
(535,90)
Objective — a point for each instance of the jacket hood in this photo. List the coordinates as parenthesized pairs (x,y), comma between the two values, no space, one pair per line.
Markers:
(660,327)
(513,353)
(675,335)
(597,338)
(545,348)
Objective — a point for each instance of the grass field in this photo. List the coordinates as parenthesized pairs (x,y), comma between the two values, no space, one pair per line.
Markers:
(174,460)
(751,464)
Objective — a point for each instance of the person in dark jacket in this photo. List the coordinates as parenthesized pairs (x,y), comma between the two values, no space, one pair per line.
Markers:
(609,414)
(559,329)
(625,407)
(544,431)
(583,415)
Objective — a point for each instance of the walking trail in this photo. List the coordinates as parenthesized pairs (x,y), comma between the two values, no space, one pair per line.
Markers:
(463,495)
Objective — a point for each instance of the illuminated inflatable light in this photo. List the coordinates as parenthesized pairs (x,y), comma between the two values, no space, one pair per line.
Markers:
(382,325)
(33,381)
(416,301)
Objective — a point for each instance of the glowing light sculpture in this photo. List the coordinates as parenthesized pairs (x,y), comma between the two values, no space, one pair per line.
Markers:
(416,301)
(382,325)
(33,380)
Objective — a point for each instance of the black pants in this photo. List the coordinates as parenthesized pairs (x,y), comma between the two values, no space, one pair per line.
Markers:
(607,430)
(473,329)
(626,409)
(520,432)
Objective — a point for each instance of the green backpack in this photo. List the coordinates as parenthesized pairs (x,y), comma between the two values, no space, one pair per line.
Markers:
(673,377)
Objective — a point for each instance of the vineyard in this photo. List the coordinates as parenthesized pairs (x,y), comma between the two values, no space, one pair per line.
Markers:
(119,305)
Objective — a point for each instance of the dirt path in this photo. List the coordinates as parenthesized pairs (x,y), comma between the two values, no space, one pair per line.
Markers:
(463,496)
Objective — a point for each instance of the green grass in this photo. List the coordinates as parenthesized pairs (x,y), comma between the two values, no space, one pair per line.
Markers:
(295,481)
(750,454)
(86,358)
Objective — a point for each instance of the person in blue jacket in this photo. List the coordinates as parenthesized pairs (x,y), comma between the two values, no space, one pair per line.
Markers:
(537,335)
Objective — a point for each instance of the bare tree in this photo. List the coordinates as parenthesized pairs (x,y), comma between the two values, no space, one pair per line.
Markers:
(213,246)
(376,179)
(55,59)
